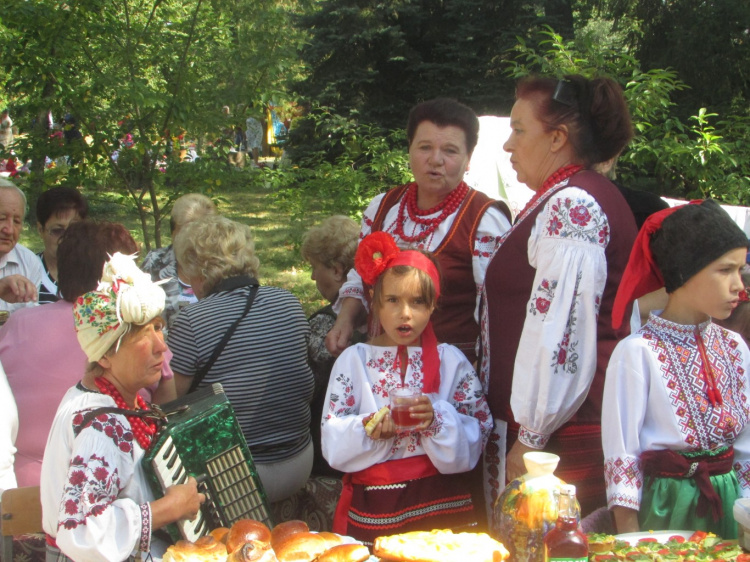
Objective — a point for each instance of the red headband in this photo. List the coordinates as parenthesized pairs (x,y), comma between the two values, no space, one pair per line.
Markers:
(641,276)
(377,253)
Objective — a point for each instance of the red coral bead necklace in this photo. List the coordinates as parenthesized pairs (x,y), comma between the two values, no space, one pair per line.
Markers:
(143,430)
(408,204)
(560,175)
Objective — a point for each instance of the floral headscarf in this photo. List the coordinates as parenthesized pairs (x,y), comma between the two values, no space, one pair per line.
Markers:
(125,296)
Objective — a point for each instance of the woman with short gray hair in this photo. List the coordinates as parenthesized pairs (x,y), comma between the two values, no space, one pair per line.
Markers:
(252,340)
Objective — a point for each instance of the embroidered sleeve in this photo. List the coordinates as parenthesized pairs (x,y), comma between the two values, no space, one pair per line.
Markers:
(352,287)
(624,478)
(492,226)
(97,518)
(144,543)
(462,413)
(350,397)
(626,400)
(556,358)
(741,359)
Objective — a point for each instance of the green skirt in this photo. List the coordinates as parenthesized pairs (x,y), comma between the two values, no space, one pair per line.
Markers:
(671,504)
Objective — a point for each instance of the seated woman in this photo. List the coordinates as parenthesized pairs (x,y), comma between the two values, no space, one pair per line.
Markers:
(162,264)
(252,340)
(329,248)
(96,502)
(56,208)
(82,253)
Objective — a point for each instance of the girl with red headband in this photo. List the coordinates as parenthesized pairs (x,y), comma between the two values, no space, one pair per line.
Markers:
(677,393)
(398,481)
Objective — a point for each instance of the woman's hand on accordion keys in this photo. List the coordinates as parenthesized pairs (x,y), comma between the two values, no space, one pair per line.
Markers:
(181,501)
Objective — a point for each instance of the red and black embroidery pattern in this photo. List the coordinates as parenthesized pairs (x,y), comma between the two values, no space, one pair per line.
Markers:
(92,486)
(110,425)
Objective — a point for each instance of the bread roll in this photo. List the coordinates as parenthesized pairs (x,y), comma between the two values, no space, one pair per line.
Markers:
(246,530)
(284,530)
(220,534)
(345,553)
(301,547)
(332,539)
(253,551)
(205,549)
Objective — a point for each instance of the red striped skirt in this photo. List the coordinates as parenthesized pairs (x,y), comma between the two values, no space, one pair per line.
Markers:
(433,501)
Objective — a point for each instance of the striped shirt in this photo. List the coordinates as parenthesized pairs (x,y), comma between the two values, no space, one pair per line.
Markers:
(48,288)
(263,368)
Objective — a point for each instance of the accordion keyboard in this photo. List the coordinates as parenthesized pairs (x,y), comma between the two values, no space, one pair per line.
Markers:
(169,469)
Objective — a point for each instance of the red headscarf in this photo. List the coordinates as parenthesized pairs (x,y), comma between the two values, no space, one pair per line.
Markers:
(642,275)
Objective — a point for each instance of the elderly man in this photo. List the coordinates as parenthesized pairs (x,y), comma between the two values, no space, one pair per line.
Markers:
(20,270)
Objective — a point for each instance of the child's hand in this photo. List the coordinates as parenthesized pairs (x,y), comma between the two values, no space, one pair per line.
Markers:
(422,411)
(386,429)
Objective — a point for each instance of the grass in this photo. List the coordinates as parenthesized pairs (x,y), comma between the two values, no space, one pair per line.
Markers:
(277,237)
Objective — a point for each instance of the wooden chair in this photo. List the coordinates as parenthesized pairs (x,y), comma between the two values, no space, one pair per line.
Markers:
(20,514)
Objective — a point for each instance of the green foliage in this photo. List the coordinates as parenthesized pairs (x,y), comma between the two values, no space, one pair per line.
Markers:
(705,42)
(369,160)
(378,59)
(151,69)
(703,157)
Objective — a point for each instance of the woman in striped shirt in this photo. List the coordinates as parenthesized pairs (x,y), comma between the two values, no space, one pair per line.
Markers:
(263,365)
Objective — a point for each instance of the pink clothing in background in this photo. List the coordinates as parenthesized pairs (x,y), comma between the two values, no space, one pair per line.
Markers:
(42,359)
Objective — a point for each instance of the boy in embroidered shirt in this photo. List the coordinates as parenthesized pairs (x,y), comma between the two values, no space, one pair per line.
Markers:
(674,430)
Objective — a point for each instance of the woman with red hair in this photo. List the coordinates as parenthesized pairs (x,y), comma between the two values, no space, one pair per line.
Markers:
(550,285)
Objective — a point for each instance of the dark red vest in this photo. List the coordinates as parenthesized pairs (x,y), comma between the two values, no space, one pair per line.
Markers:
(453,321)
(509,280)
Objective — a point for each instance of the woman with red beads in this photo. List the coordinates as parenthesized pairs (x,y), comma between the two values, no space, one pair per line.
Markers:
(96,502)
(551,283)
(438,213)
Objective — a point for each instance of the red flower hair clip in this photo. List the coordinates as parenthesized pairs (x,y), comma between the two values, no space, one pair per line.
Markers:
(374,253)
(743,295)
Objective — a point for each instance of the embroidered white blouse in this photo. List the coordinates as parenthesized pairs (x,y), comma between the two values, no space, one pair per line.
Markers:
(492,226)
(94,492)
(359,385)
(556,358)
(655,398)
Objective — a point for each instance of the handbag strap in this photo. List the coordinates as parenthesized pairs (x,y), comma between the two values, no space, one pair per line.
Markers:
(198,377)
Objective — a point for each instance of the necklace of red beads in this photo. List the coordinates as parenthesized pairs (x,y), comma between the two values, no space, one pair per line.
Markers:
(560,175)
(143,430)
(408,205)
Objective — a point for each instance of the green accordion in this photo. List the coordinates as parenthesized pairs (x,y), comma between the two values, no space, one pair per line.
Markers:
(202,438)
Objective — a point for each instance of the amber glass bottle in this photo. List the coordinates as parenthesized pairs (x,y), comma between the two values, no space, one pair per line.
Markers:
(566,542)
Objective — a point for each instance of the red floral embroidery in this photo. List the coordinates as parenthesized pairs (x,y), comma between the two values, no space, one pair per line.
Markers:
(580,215)
(554,226)
(542,305)
(604,235)
(92,487)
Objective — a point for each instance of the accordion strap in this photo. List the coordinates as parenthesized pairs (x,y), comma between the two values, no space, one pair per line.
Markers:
(198,377)
(155,414)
